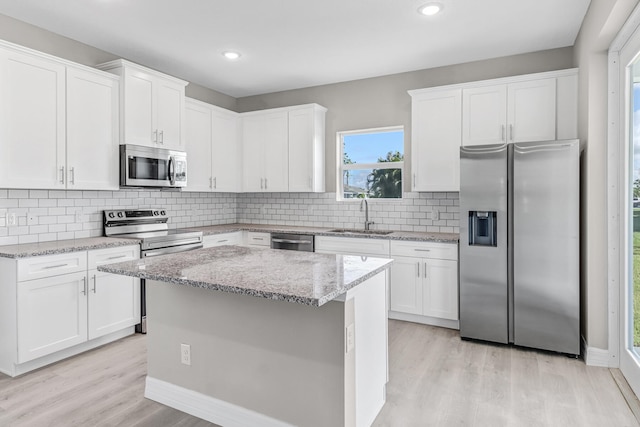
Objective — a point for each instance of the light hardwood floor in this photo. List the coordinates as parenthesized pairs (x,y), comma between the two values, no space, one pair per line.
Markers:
(436,379)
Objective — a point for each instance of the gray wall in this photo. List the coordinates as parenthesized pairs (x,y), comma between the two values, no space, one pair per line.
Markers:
(383,101)
(45,41)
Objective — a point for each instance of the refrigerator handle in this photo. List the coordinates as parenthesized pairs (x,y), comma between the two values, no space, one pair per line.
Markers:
(540,147)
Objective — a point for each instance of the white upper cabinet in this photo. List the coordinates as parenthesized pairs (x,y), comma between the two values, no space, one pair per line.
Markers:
(212,144)
(484,115)
(534,107)
(283,149)
(32,121)
(152,106)
(435,142)
(92,130)
(306,149)
(515,112)
(58,123)
(266,151)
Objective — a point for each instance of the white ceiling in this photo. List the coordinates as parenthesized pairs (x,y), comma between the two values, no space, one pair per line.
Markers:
(288,44)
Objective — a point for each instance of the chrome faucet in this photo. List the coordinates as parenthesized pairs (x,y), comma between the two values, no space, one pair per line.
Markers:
(367,223)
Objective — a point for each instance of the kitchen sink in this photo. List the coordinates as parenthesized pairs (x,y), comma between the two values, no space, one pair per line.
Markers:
(358,231)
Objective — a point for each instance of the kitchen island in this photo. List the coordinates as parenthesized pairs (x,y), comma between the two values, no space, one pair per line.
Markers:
(276,338)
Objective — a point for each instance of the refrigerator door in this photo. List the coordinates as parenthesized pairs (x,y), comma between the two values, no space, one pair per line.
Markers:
(546,245)
(483,243)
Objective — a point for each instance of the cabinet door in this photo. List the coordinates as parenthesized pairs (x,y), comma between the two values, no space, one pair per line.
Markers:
(52,315)
(32,122)
(138,121)
(301,150)
(198,147)
(226,168)
(484,115)
(531,110)
(435,141)
(406,285)
(440,293)
(276,152)
(114,303)
(92,131)
(170,114)
(253,149)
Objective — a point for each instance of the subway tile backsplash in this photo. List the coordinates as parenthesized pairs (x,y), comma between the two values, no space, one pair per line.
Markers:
(60,214)
(412,213)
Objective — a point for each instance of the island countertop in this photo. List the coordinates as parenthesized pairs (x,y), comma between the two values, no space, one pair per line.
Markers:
(300,277)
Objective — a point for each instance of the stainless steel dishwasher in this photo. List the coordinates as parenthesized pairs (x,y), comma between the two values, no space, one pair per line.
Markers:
(292,242)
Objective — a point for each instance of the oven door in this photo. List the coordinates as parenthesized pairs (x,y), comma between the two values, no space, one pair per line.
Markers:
(152,167)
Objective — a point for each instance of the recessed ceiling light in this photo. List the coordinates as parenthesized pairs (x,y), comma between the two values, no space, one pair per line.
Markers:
(231,55)
(430,9)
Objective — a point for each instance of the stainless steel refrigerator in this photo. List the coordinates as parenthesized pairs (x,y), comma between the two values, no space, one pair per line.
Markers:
(519,244)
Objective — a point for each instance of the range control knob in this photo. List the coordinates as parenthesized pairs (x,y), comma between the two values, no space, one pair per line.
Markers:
(120,214)
(111,215)
(155,213)
(163,213)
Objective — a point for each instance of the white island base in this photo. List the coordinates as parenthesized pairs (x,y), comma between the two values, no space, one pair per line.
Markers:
(262,362)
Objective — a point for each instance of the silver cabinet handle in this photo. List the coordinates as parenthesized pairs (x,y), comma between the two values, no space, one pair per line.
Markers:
(414,180)
(215,182)
(62,175)
(210,182)
(154,136)
(161,137)
(54,266)
(261,186)
(418,265)
(116,257)
(425,270)
(501,132)
(422,250)
(257,238)
(265,183)
(95,283)
(84,285)
(72,172)
(223,240)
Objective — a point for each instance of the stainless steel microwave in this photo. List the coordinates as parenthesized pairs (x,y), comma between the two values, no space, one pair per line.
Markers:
(152,167)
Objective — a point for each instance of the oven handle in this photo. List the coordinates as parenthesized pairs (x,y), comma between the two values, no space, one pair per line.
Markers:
(172,171)
(162,245)
(171,250)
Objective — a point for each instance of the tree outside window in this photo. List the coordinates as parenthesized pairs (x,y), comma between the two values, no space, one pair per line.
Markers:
(371,165)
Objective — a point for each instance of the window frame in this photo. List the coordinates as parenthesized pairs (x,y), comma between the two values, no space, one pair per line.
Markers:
(341,167)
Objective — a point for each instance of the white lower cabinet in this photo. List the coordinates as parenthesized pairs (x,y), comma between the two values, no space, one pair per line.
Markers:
(55,306)
(232,238)
(52,314)
(257,239)
(424,283)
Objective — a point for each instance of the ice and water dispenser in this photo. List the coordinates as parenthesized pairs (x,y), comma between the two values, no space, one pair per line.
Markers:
(483,228)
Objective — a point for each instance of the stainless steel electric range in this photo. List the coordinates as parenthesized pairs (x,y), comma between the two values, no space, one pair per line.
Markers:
(151,227)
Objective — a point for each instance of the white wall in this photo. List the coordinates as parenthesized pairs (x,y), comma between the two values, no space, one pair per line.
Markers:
(603,21)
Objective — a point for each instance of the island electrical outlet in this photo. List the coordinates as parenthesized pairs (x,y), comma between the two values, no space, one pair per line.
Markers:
(185,354)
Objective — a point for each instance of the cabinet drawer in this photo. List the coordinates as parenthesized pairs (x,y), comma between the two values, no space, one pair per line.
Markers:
(51,265)
(258,239)
(110,255)
(424,250)
(234,238)
(352,245)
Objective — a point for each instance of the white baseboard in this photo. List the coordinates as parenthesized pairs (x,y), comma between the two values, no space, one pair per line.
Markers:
(206,407)
(594,356)
(425,320)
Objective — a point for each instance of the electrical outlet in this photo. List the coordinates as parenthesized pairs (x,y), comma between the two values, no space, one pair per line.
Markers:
(32,219)
(12,221)
(185,354)
(351,337)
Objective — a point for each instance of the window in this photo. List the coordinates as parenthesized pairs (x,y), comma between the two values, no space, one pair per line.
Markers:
(371,163)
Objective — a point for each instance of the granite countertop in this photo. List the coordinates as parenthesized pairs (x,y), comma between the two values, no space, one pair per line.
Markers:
(299,277)
(320,231)
(27,250)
